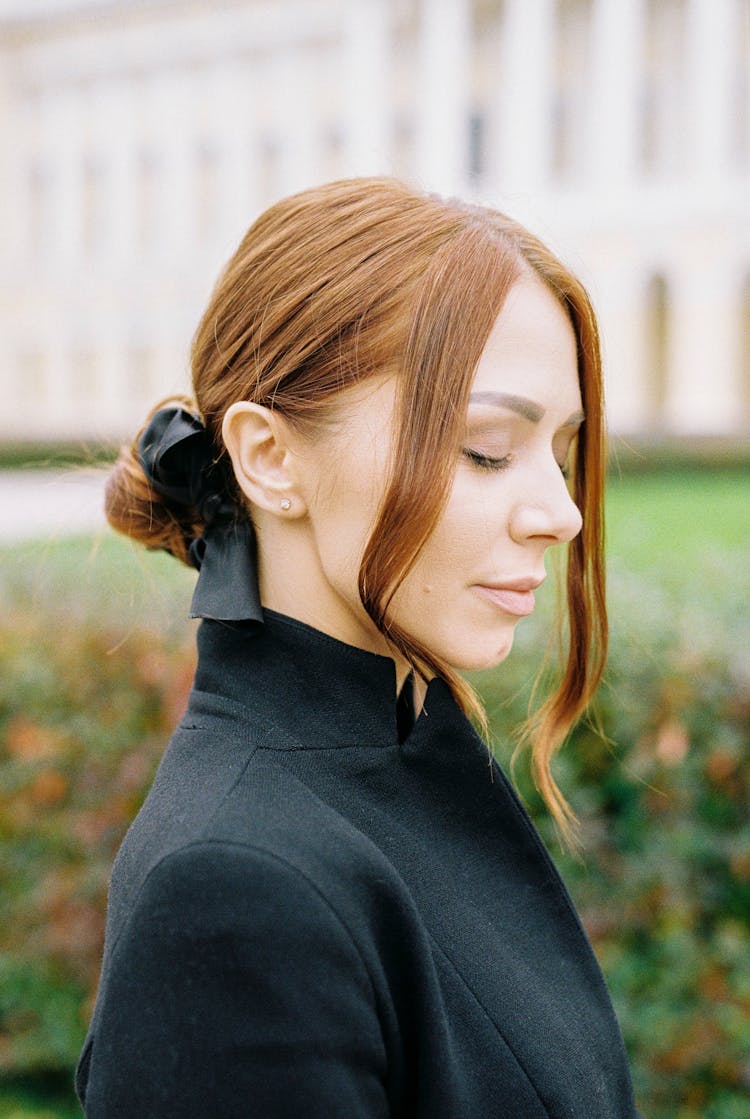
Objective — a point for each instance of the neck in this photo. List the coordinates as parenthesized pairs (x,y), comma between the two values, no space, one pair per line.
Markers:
(293,583)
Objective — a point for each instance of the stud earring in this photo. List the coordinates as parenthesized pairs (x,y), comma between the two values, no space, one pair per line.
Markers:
(285,504)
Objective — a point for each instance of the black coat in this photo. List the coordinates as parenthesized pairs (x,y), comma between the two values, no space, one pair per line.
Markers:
(310,920)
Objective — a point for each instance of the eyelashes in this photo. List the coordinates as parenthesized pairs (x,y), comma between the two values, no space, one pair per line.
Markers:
(487,462)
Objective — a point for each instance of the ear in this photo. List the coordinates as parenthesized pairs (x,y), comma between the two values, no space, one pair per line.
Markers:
(258,442)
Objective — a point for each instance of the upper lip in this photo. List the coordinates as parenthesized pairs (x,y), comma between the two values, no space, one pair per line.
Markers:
(525,584)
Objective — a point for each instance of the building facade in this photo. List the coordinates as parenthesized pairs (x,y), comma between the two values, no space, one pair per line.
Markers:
(141,137)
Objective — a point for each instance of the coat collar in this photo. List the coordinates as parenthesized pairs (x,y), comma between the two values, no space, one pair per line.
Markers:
(321,691)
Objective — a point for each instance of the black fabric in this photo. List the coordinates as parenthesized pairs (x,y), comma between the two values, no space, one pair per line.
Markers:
(179,458)
(405,708)
(310,918)
(227,586)
(177,454)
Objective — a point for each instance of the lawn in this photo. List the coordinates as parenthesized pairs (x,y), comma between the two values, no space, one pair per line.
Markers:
(670,525)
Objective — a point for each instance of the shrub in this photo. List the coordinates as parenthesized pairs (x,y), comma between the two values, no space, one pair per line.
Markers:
(84,715)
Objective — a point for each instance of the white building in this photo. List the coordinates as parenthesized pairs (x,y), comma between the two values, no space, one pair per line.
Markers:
(141,137)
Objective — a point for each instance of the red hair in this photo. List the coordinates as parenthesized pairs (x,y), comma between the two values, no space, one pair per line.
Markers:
(364,276)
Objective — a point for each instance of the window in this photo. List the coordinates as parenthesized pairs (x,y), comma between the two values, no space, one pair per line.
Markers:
(657,350)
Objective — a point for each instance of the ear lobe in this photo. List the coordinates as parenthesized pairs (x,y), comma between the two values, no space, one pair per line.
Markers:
(257,440)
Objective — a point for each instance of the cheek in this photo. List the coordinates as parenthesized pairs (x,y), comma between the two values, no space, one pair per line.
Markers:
(423,604)
(467,537)
(444,560)
(340,543)
(342,516)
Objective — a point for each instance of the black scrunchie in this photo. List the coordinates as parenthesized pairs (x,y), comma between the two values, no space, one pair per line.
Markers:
(177,456)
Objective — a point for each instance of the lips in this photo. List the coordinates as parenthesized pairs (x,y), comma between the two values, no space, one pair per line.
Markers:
(515,597)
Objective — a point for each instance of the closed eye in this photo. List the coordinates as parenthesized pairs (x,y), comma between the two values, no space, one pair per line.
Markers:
(486,462)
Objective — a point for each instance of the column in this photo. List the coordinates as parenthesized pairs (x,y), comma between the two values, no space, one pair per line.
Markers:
(171,358)
(365,94)
(115,415)
(117,142)
(616,88)
(172,109)
(62,127)
(23,179)
(525,91)
(442,140)
(234,129)
(297,117)
(54,408)
(705,357)
(618,298)
(711,32)
(12,187)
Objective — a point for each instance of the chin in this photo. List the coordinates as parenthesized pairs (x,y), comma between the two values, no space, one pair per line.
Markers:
(477,659)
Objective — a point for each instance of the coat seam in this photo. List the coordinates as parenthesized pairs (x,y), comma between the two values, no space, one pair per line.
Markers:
(487,1014)
(173,850)
(271,855)
(273,731)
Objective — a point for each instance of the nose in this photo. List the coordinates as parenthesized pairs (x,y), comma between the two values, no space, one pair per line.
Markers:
(546,511)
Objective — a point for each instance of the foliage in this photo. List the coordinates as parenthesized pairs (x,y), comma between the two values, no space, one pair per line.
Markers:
(94,671)
(49,1097)
(85,712)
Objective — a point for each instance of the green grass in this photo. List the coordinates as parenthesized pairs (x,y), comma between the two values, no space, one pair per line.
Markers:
(106,576)
(673,522)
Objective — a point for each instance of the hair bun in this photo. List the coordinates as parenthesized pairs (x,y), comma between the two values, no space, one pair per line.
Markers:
(134,508)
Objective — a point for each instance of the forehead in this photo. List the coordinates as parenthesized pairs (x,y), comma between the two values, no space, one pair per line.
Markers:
(531,350)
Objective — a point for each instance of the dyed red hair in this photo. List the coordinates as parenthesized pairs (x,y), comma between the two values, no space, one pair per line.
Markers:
(364,276)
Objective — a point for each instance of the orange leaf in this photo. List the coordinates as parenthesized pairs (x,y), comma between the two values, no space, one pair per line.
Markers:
(48,788)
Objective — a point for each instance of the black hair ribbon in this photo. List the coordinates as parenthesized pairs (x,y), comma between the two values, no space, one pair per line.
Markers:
(178,457)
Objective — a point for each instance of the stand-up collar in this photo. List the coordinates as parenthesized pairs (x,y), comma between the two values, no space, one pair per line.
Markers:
(320,690)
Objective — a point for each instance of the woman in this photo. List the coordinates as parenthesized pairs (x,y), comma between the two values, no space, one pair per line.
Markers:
(332,903)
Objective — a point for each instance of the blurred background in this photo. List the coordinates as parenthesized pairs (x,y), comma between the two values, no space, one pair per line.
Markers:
(143,136)
(140,139)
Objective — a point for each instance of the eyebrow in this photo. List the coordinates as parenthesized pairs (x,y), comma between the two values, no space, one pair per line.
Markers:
(521,406)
